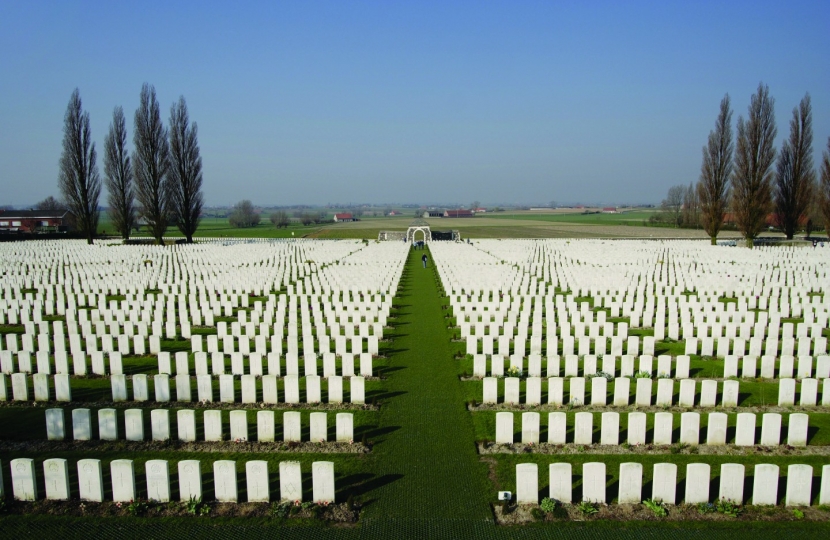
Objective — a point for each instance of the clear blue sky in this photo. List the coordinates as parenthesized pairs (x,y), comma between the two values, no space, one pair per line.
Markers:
(316,102)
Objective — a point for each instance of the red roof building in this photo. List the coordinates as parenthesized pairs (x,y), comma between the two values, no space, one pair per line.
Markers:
(458,213)
(343,217)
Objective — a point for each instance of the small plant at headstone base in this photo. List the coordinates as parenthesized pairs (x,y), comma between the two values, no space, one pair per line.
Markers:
(642,375)
(136,508)
(705,508)
(824,507)
(513,371)
(196,507)
(587,508)
(537,514)
(602,374)
(678,448)
(798,514)
(728,508)
(663,376)
(548,505)
(656,507)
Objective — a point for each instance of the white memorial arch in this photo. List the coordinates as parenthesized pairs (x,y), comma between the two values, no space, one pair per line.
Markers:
(419,225)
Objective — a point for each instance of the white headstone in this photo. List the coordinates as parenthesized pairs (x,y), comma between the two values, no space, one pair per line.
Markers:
(265,426)
(55,430)
(90,480)
(663,428)
(631,483)
(190,480)
(291,483)
(765,485)
(716,430)
(527,483)
(318,427)
(583,428)
(134,424)
(186,425)
(239,425)
(224,481)
(81,425)
(530,428)
(123,480)
(213,425)
(690,428)
(636,428)
(593,482)
(56,479)
(107,425)
(643,395)
(799,485)
(798,429)
(557,427)
(158,480)
(344,429)
(745,430)
(504,427)
(732,482)
(664,483)
(697,483)
(256,476)
(160,424)
(24,482)
(291,426)
(561,480)
(322,479)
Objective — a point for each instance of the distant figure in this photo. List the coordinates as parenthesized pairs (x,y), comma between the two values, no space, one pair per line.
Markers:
(424,259)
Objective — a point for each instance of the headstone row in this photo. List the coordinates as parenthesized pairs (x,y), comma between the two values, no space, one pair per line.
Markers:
(213,428)
(157,474)
(799,484)
(622,386)
(662,432)
(254,389)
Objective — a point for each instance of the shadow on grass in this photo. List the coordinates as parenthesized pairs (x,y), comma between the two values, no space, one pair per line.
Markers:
(362,484)
(372,432)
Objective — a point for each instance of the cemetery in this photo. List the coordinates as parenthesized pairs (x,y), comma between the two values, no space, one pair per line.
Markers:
(313,382)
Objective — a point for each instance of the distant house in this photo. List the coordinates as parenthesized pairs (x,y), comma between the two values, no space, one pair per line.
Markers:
(393,213)
(480,210)
(343,217)
(35,221)
(458,213)
(433,213)
(609,210)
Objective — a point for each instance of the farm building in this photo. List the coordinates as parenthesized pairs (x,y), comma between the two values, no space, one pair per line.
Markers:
(35,221)
(343,217)
(458,213)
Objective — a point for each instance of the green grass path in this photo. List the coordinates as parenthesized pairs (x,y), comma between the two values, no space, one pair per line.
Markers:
(428,459)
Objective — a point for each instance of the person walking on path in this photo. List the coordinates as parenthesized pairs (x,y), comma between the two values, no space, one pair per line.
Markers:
(424,259)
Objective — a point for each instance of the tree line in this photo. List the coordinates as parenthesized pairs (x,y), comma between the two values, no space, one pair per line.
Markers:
(749,179)
(160,183)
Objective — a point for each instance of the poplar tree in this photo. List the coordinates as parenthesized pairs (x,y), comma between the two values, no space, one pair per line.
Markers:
(713,186)
(78,177)
(754,158)
(795,175)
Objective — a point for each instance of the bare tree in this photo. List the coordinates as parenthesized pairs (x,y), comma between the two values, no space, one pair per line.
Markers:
(118,176)
(78,176)
(824,188)
(151,159)
(796,176)
(50,203)
(755,155)
(713,186)
(280,219)
(673,204)
(691,208)
(185,185)
(244,215)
